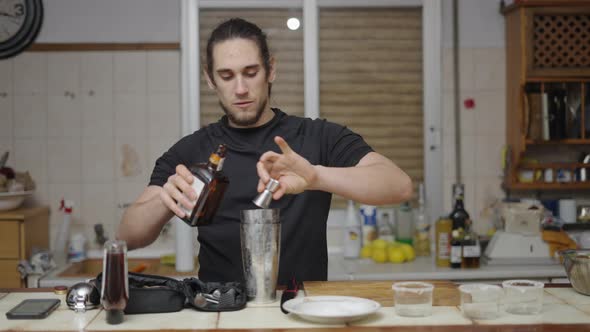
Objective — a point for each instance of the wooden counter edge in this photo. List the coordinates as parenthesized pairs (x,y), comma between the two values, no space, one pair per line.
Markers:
(23,213)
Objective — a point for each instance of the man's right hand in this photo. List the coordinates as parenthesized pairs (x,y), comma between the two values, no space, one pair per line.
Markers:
(178,189)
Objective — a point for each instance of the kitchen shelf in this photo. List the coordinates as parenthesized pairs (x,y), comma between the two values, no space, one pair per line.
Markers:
(569,141)
(546,62)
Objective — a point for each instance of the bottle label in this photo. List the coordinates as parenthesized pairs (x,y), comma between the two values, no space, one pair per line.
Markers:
(198,186)
(471,251)
(443,246)
(455,254)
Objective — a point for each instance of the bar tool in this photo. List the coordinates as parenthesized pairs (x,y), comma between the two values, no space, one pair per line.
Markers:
(264,198)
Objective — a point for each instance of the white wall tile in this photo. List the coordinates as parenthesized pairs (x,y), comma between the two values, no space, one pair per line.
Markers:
(468,147)
(98,159)
(98,116)
(6,115)
(164,114)
(449,160)
(30,154)
(98,205)
(6,145)
(30,116)
(130,72)
(488,155)
(131,159)
(64,116)
(468,115)
(156,148)
(490,68)
(97,73)
(130,115)
(163,71)
(490,110)
(30,73)
(487,191)
(63,73)
(6,77)
(64,160)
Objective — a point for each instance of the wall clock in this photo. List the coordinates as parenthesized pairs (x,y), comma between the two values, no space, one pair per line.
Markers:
(20,22)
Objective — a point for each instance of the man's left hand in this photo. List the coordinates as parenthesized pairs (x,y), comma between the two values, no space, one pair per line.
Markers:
(294,173)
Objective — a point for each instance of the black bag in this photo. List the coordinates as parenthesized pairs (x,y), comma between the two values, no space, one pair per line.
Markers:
(157,294)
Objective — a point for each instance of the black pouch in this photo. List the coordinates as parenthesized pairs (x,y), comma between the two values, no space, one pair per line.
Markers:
(158,294)
(153,294)
(215,296)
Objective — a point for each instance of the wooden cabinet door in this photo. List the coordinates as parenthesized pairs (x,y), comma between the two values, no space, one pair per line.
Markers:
(9,275)
(10,239)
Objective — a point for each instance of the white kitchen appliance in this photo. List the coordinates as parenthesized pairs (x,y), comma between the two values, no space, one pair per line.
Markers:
(517,249)
(520,243)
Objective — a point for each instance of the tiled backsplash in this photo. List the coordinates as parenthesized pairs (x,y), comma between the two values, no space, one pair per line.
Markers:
(89,127)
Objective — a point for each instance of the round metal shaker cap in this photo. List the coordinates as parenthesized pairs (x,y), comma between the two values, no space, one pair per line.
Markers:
(83,296)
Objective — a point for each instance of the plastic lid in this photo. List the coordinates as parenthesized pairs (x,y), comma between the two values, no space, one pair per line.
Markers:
(60,290)
(115,316)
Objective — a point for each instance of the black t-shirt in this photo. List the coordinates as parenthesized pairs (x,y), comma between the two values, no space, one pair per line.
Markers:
(303,252)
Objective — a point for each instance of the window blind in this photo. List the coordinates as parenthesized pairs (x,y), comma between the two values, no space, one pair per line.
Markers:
(371,80)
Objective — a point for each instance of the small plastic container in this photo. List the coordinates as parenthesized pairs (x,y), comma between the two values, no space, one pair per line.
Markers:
(413,298)
(480,301)
(523,297)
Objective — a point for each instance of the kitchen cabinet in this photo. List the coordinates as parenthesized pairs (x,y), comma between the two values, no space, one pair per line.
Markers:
(548,95)
(21,232)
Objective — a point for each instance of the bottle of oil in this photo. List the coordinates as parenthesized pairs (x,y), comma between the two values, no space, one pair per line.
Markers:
(443,229)
(210,184)
(421,240)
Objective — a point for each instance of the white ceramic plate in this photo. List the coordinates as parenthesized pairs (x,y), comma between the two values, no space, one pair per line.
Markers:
(331,309)
(12,200)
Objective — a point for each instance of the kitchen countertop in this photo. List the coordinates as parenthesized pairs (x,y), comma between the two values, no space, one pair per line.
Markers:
(563,310)
(422,268)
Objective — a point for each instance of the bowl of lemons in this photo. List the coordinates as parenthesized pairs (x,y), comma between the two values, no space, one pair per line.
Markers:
(382,251)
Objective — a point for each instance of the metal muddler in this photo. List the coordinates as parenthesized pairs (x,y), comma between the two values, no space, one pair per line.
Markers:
(264,198)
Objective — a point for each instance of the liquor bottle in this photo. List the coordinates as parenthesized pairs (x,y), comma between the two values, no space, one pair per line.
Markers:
(210,184)
(456,252)
(352,233)
(471,251)
(459,216)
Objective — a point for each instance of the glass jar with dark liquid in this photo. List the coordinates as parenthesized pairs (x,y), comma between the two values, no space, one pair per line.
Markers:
(115,285)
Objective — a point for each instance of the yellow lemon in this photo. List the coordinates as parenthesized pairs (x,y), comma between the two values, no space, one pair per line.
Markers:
(408,252)
(379,244)
(366,252)
(396,255)
(379,255)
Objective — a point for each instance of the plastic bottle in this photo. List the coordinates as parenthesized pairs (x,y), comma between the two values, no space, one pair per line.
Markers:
(385,228)
(422,225)
(369,227)
(405,224)
(77,248)
(59,252)
(352,243)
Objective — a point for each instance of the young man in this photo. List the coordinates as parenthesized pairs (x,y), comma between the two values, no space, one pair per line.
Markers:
(310,158)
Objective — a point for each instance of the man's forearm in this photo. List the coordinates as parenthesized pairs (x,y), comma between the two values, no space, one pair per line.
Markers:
(143,221)
(379,182)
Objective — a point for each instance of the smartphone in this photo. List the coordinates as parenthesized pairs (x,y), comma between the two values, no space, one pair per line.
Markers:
(33,309)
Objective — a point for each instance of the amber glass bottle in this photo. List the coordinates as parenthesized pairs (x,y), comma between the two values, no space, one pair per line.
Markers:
(210,184)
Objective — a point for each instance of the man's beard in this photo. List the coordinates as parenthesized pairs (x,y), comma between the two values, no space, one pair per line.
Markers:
(244,122)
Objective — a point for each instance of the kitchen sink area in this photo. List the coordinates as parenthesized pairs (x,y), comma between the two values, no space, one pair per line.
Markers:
(89,268)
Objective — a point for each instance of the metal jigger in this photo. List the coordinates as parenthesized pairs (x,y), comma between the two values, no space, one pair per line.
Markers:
(264,198)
